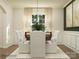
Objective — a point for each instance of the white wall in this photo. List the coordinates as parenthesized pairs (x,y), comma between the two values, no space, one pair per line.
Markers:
(27,19)
(18,17)
(56,24)
(57,21)
(68,38)
(41,11)
(2,14)
(71,40)
(7,27)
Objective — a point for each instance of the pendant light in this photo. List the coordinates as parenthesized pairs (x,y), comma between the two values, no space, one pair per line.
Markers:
(37,12)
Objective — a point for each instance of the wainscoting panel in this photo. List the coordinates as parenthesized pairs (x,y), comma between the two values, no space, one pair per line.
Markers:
(77,47)
(71,39)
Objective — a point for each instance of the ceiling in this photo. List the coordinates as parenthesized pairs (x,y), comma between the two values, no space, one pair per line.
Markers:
(41,3)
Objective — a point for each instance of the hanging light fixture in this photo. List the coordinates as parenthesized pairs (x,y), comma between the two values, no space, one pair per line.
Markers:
(37,12)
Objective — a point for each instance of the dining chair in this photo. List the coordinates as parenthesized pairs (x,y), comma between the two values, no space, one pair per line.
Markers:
(51,46)
(37,42)
(24,45)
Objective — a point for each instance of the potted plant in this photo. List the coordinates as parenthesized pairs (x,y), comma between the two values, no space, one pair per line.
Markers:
(38,27)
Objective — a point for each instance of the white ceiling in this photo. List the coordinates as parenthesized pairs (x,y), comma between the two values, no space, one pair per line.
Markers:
(41,3)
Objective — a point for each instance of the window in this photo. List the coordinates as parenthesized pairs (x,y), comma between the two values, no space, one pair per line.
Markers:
(71,16)
(38,21)
(38,18)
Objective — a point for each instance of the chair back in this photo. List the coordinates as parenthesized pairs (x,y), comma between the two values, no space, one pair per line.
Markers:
(37,40)
(20,36)
(56,33)
(55,36)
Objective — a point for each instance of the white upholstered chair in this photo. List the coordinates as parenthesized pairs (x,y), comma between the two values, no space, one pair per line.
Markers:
(51,46)
(24,45)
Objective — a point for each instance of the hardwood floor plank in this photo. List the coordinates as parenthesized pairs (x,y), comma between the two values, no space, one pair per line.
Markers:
(4,52)
(69,52)
(7,51)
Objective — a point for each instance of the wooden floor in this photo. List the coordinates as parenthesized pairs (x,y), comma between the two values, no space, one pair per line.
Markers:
(69,52)
(6,52)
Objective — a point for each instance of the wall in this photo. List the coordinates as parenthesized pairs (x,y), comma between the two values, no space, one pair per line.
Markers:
(21,20)
(18,17)
(71,40)
(27,19)
(7,27)
(2,14)
(41,11)
(57,22)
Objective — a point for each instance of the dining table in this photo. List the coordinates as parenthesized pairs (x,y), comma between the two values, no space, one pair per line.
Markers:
(48,35)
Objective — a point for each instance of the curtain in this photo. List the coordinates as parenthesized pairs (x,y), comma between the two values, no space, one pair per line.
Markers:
(48,19)
(27,19)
